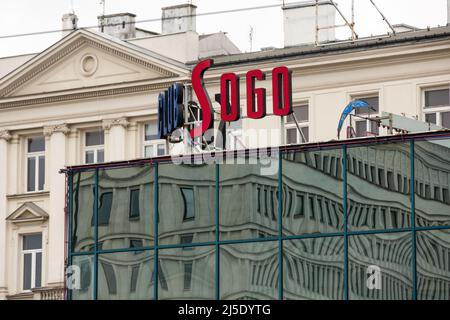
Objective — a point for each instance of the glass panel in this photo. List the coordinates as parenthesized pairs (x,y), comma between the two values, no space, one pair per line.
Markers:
(240,215)
(432,173)
(380,267)
(104,208)
(433,265)
(134,204)
(312,192)
(373,103)
(32,242)
(249,271)
(437,98)
(305,131)
(378,187)
(27,271)
(82,211)
(95,138)
(41,173)
(31,174)
(126,276)
(301,113)
(100,156)
(38,276)
(361,128)
(431,118)
(115,225)
(148,151)
(86,273)
(445,117)
(161,150)
(36,144)
(187,274)
(90,157)
(291,136)
(313,269)
(186,202)
(151,131)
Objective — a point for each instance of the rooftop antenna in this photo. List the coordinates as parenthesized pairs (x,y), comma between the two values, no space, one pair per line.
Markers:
(384,18)
(250,36)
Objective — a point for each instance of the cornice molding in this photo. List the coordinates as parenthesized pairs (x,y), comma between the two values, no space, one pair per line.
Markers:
(72,47)
(49,130)
(86,95)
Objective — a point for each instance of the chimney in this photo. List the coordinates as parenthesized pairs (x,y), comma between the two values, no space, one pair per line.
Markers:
(179,18)
(120,25)
(69,23)
(300,22)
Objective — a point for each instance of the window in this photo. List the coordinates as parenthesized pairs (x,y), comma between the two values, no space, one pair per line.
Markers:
(110,277)
(153,146)
(234,135)
(134,204)
(35,164)
(32,261)
(94,147)
(293,136)
(437,107)
(187,275)
(189,206)
(104,209)
(187,239)
(363,127)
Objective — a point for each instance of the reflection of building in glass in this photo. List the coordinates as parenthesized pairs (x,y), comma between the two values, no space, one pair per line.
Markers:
(316,247)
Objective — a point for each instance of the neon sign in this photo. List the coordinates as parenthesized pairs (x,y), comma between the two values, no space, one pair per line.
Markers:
(170,103)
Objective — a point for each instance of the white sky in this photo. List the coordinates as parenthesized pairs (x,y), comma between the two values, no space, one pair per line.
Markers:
(24,16)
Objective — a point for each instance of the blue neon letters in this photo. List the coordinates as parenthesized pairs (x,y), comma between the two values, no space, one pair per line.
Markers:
(170,110)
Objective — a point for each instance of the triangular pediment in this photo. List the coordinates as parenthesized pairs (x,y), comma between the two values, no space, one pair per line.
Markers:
(86,60)
(28,212)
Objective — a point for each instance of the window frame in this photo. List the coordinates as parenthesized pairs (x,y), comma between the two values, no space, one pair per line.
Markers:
(33,253)
(94,148)
(369,124)
(302,124)
(436,110)
(152,143)
(185,218)
(36,156)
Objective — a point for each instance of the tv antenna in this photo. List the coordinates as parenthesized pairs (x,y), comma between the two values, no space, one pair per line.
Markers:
(103,3)
(250,37)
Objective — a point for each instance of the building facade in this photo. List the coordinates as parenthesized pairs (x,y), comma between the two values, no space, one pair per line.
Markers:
(92,98)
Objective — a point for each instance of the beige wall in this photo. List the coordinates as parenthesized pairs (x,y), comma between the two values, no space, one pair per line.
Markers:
(327,82)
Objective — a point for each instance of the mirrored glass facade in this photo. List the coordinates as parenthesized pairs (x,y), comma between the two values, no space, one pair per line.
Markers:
(366,220)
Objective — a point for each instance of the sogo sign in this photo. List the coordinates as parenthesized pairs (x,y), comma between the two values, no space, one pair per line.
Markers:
(170,102)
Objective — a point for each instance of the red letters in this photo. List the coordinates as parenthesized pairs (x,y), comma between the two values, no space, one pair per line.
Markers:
(282,91)
(230,96)
(260,93)
(203,98)
(231,108)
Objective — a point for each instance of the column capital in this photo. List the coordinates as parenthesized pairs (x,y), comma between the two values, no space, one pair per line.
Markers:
(109,123)
(49,130)
(5,135)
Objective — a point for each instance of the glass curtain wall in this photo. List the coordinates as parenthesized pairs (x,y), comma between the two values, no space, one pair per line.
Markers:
(359,222)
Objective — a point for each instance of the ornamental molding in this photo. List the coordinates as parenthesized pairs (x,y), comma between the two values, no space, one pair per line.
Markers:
(70,49)
(87,95)
(5,135)
(58,128)
(109,123)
